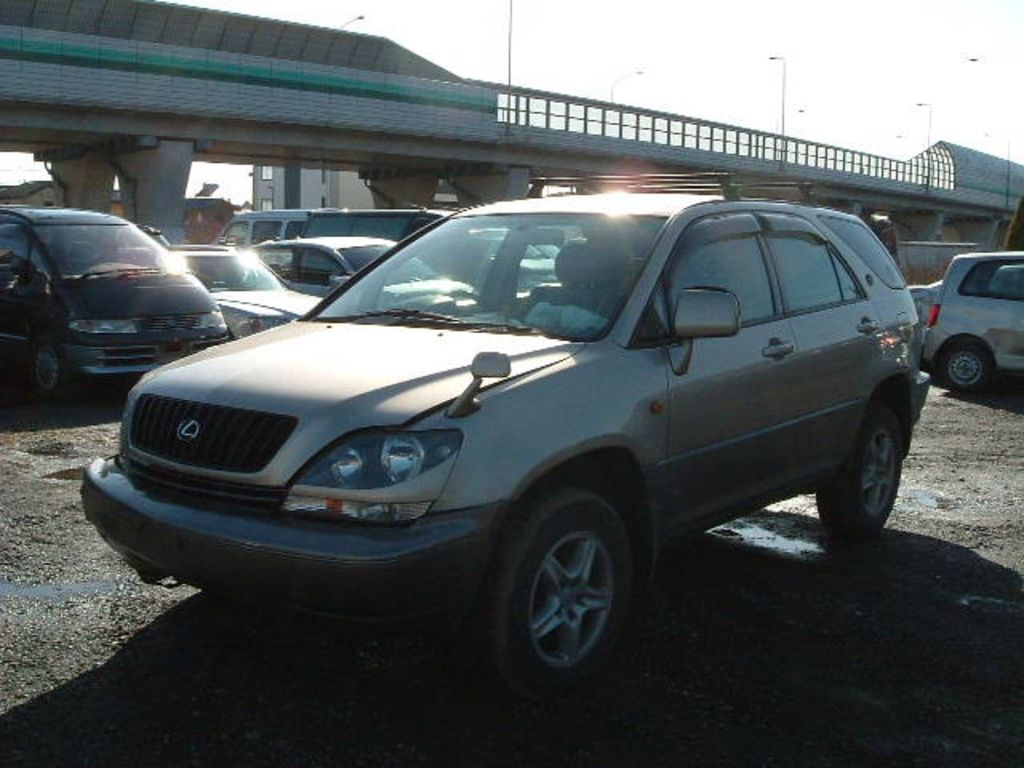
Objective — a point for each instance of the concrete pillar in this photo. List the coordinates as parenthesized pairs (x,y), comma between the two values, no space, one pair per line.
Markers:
(293,186)
(86,182)
(979,231)
(513,184)
(921,227)
(406,192)
(153,183)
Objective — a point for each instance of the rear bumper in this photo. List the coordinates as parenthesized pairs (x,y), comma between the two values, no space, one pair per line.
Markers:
(432,566)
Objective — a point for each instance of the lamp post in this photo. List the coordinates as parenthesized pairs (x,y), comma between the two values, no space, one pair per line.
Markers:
(782,59)
(619,79)
(353,20)
(927,146)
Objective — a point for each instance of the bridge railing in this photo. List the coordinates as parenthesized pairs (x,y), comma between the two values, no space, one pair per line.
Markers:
(933,168)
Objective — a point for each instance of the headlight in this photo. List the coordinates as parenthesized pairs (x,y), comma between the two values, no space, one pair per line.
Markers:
(248,325)
(381,477)
(104,326)
(212,320)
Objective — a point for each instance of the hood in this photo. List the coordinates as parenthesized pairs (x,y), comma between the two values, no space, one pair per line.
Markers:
(337,377)
(144,295)
(290,303)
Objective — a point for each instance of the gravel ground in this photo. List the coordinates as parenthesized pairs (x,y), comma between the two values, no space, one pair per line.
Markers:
(762,644)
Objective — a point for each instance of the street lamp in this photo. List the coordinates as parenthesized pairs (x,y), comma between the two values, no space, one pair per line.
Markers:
(353,20)
(928,140)
(928,145)
(619,79)
(783,60)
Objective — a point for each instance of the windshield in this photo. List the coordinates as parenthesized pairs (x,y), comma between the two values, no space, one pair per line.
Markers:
(232,272)
(563,275)
(389,226)
(96,249)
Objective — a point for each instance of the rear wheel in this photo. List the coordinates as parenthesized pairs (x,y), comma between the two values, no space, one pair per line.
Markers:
(966,366)
(561,594)
(858,501)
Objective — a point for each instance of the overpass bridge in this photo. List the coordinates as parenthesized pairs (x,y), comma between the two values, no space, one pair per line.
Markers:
(138,90)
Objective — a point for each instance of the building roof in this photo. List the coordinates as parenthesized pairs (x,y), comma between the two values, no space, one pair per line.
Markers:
(23,190)
(181,25)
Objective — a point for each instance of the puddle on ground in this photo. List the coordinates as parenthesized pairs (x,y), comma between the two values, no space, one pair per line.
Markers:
(922,498)
(10,589)
(765,538)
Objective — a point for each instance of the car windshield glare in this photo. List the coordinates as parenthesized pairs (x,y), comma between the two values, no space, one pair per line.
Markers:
(564,275)
(96,249)
(233,272)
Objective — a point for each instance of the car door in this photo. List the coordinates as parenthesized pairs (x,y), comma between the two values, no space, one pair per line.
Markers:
(316,270)
(838,333)
(732,400)
(23,302)
(991,298)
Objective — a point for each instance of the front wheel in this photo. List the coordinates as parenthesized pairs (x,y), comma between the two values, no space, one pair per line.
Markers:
(47,369)
(561,593)
(858,501)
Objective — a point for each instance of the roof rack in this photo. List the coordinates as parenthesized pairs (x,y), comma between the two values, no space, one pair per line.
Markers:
(709,183)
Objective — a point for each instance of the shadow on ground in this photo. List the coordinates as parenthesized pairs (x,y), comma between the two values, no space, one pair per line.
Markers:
(1005,395)
(86,405)
(904,652)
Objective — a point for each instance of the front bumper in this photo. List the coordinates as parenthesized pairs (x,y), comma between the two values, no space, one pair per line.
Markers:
(111,359)
(431,566)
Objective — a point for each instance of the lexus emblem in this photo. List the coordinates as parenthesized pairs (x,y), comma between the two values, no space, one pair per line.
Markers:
(189,430)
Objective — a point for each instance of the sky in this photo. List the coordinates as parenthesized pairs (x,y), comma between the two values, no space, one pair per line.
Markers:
(855,72)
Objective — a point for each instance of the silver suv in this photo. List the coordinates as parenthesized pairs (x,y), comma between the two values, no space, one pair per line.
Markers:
(975,319)
(512,413)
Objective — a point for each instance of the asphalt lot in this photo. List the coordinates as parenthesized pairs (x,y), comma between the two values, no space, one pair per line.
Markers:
(762,644)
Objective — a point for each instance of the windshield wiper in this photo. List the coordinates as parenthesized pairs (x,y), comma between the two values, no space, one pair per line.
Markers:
(118,271)
(400,314)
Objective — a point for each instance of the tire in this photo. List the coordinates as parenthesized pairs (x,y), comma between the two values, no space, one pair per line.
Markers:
(857,502)
(561,593)
(966,366)
(48,375)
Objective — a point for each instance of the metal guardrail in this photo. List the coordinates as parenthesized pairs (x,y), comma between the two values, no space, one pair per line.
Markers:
(932,169)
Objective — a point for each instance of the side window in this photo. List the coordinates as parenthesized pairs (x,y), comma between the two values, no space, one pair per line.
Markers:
(281,261)
(13,249)
(810,274)
(294,229)
(317,268)
(236,232)
(864,243)
(995,279)
(265,230)
(735,264)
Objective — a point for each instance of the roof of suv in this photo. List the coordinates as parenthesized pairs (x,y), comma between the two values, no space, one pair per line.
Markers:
(624,203)
(60,215)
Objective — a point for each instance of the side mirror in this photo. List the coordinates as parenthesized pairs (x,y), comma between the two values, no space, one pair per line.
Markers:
(486,365)
(23,269)
(705,313)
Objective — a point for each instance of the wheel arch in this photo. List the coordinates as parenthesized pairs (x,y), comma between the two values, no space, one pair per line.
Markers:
(614,474)
(895,394)
(962,338)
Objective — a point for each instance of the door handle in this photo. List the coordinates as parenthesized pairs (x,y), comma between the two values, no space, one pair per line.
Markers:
(867,325)
(777,349)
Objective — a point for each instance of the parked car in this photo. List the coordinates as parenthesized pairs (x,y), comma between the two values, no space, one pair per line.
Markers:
(316,266)
(253,227)
(387,223)
(247,292)
(89,294)
(452,431)
(976,320)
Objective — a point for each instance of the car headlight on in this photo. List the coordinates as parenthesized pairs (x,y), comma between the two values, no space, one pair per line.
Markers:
(378,476)
(104,326)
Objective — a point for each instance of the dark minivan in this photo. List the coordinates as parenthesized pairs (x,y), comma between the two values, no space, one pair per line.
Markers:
(84,293)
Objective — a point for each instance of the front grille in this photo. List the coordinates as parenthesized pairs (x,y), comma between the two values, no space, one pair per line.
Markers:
(119,356)
(210,436)
(181,486)
(169,323)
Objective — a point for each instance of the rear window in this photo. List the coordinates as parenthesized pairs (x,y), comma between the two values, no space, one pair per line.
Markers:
(862,240)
